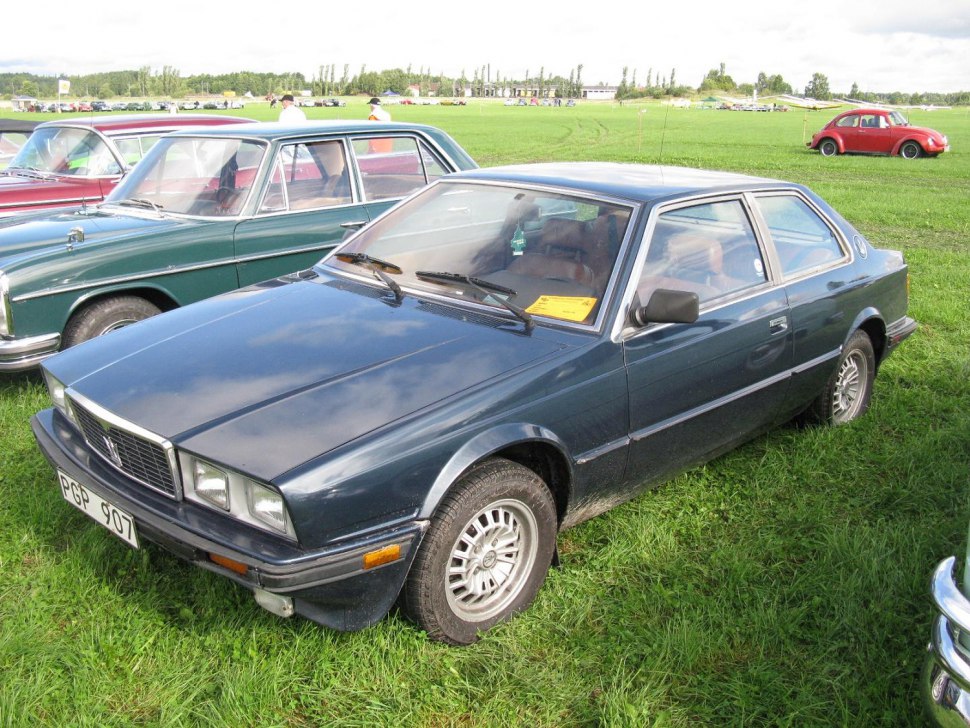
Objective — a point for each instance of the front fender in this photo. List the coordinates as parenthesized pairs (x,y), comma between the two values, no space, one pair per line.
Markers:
(483,445)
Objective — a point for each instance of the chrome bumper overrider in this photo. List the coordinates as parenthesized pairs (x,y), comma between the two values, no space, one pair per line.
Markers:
(17,355)
(946,675)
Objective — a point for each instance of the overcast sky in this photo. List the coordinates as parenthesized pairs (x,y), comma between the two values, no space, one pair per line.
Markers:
(882,45)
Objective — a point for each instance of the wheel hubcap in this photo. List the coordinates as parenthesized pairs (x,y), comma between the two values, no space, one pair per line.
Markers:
(850,387)
(491,560)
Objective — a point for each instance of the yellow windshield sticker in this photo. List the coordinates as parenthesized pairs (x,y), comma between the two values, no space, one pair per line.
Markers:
(569,308)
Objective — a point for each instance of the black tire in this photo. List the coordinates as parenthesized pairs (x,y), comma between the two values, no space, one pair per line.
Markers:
(828,148)
(911,150)
(485,555)
(105,316)
(846,395)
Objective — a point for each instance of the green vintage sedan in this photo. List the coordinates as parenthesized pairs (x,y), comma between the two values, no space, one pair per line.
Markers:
(205,212)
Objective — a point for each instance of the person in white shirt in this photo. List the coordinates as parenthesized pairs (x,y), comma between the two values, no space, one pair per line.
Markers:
(290,111)
(376,112)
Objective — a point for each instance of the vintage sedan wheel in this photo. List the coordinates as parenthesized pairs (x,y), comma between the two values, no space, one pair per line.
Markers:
(828,148)
(910,150)
(105,316)
(485,555)
(849,389)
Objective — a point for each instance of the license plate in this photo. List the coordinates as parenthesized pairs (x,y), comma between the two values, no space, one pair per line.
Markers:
(104,512)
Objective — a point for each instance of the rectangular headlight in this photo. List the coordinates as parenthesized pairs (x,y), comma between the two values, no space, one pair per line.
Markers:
(266,506)
(58,393)
(211,484)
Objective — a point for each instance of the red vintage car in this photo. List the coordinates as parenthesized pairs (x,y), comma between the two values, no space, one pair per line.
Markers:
(877,131)
(70,162)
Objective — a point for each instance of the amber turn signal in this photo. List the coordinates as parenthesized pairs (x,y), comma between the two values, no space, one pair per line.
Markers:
(236,566)
(382,556)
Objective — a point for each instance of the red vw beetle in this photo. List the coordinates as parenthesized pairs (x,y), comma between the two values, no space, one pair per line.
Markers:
(877,131)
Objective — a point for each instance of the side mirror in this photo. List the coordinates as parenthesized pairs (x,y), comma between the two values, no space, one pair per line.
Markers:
(667,307)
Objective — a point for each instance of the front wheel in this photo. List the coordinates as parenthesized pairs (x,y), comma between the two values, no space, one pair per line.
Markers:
(910,150)
(846,395)
(105,316)
(828,148)
(485,555)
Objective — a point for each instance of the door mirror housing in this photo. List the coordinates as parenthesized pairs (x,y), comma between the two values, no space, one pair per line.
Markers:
(667,307)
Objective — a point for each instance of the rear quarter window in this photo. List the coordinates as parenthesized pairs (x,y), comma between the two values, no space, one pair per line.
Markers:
(802,239)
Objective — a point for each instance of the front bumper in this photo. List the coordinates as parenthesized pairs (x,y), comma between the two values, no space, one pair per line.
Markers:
(17,355)
(946,675)
(330,585)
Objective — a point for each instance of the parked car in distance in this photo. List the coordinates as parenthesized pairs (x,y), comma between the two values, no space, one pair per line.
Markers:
(13,136)
(70,162)
(507,353)
(100,106)
(203,213)
(946,675)
(877,131)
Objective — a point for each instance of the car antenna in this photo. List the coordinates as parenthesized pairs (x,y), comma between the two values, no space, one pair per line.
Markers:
(663,135)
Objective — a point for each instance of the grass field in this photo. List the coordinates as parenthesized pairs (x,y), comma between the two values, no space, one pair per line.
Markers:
(783,584)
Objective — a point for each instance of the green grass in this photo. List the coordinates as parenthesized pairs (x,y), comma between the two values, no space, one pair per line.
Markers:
(783,584)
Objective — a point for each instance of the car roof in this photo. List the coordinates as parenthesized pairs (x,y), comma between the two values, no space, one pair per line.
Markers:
(269,130)
(125,123)
(17,125)
(637,182)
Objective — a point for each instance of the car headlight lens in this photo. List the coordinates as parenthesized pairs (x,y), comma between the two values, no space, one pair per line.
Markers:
(58,393)
(267,506)
(235,494)
(211,483)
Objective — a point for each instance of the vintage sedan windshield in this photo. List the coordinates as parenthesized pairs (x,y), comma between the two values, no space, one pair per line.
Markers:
(192,176)
(66,151)
(546,253)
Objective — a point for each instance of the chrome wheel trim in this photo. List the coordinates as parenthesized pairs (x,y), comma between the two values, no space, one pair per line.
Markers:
(491,560)
(850,386)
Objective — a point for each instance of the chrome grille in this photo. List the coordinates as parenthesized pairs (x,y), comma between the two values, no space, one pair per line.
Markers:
(134,455)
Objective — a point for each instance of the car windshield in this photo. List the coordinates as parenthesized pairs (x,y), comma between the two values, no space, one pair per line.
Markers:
(897,119)
(66,151)
(539,252)
(192,176)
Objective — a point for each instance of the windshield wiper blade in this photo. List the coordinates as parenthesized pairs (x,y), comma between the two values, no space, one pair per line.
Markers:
(139,202)
(378,268)
(483,286)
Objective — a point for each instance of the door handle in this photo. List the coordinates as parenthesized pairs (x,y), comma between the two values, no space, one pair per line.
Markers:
(778,325)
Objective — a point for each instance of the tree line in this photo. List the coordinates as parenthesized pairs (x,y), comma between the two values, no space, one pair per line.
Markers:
(329,80)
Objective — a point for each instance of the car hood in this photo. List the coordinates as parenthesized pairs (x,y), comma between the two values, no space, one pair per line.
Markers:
(20,235)
(267,378)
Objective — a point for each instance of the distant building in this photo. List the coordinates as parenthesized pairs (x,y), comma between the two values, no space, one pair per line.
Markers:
(599,93)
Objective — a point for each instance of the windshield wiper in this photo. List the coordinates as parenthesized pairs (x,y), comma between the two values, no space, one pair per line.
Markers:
(139,202)
(378,268)
(484,287)
(27,172)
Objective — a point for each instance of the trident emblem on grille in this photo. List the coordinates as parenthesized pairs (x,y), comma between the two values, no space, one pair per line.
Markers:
(112,451)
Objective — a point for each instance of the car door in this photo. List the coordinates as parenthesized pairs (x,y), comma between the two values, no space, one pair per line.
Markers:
(815,264)
(696,389)
(873,135)
(309,198)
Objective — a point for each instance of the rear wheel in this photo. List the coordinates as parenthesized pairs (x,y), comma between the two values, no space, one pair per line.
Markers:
(910,150)
(485,555)
(105,316)
(828,148)
(846,395)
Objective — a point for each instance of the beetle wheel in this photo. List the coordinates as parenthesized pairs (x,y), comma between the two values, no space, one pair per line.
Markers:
(828,148)
(910,150)
(485,555)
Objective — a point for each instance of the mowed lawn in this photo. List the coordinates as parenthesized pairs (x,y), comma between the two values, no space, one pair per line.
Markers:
(783,584)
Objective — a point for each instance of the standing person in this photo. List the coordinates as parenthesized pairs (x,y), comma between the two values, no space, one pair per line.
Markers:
(290,112)
(376,112)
